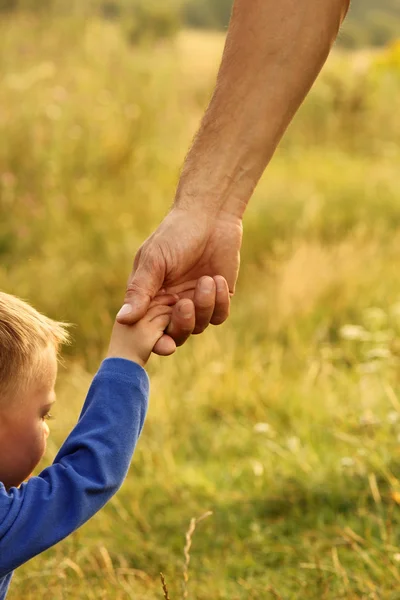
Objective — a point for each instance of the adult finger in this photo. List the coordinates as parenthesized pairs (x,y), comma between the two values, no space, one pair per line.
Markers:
(180,328)
(204,302)
(183,321)
(222,301)
(144,285)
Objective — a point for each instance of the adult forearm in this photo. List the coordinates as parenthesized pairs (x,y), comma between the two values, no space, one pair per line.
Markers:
(273,54)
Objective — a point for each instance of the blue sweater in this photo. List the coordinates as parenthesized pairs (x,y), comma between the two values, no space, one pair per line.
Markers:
(89,468)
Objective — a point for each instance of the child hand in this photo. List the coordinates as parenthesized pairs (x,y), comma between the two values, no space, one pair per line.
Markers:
(136,342)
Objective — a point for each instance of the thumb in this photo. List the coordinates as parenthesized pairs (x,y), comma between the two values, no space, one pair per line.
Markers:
(143,285)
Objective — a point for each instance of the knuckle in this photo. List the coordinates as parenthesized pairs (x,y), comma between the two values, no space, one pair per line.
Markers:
(133,289)
(205,303)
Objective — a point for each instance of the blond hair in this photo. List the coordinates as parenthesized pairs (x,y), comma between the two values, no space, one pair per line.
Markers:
(24,334)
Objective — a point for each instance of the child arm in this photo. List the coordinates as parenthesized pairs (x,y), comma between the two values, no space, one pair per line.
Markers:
(94,460)
(87,471)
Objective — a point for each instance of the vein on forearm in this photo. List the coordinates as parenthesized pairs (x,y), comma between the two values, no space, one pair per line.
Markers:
(273,53)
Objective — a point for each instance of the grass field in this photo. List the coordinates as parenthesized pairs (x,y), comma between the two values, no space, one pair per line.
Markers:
(284,422)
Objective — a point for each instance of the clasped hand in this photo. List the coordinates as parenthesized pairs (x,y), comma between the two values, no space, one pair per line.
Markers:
(194,257)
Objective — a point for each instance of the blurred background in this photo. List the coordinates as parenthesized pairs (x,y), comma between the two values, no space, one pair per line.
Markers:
(284,422)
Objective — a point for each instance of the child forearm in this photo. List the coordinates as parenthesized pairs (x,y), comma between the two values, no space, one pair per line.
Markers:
(274,52)
(87,471)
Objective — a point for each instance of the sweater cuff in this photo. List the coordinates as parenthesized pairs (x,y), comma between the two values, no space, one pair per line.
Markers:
(130,372)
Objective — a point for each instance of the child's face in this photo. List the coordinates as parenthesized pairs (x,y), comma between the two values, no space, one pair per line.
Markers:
(23,427)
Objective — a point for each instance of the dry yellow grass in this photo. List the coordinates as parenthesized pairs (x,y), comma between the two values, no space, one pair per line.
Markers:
(285,421)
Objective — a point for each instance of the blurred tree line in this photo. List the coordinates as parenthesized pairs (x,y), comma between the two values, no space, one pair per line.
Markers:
(139,19)
(369,23)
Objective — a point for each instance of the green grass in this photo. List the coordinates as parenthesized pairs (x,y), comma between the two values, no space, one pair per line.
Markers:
(283,422)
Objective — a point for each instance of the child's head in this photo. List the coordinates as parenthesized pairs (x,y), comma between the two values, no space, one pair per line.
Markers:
(29,344)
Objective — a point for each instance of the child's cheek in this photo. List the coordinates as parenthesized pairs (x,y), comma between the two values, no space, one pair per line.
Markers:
(40,443)
(36,455)
(46,430)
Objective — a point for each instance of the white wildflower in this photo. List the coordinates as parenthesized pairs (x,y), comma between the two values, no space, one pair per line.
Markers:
(378,353)
(393,417)
(258,468)
(262,428)
(354,333)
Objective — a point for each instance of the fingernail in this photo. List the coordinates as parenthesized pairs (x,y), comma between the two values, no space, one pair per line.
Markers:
(207,285)
(125,310)
(220,283)
(186,311)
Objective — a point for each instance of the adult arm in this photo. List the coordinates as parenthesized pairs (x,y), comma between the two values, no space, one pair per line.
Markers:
(273,54)
(88,470)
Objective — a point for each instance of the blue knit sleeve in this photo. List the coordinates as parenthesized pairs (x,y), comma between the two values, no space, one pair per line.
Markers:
(89,468)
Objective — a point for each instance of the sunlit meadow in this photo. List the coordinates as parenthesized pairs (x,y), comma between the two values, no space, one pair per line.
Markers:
(284,422)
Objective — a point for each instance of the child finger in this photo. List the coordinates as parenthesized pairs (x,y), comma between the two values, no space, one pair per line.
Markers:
(164,300)
(158,311)
(162,321)
(165,346)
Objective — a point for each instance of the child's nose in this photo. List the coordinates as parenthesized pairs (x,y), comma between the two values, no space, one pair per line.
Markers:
(46,430)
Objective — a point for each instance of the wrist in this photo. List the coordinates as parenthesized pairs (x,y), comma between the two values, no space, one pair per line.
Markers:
(124,346)
(191,198)
(226,189)
(200,209)
(132,357)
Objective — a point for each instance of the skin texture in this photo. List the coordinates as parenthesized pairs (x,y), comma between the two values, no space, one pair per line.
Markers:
(136,342)
(23,424)
(23,419)
(273,54)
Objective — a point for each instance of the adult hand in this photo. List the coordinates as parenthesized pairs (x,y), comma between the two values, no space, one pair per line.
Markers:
(194,256)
